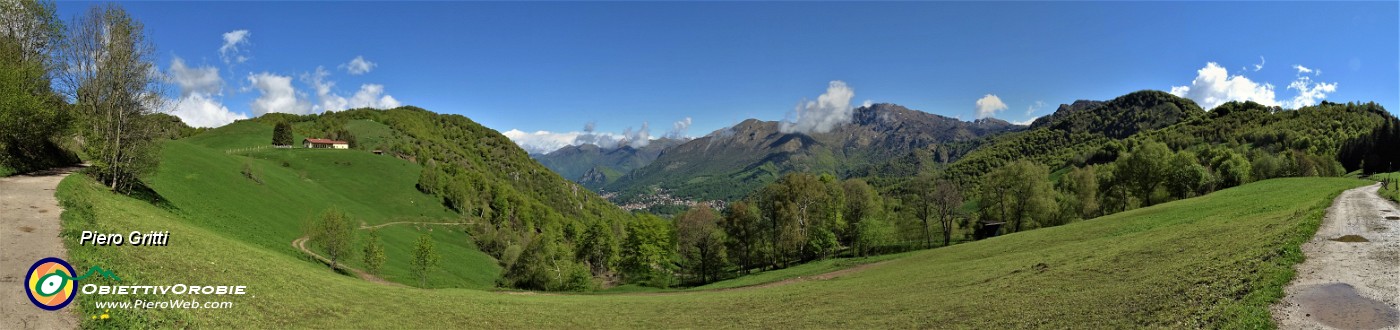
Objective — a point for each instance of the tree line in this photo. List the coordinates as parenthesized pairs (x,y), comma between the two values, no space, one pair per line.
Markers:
(105,109)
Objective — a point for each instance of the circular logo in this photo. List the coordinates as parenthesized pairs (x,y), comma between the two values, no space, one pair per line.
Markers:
(49,283)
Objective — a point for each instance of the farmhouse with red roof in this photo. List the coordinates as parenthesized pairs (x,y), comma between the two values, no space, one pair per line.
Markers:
(314,143)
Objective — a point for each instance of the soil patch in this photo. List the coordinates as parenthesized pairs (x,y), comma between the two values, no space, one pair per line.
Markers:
(1351,239)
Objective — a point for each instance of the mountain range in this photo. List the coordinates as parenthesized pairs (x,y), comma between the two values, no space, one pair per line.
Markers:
(732,162)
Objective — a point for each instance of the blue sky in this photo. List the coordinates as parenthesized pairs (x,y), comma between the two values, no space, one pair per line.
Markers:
(522,68)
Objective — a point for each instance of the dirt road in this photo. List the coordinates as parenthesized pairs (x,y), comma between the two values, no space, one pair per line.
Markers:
(1351,279)
(29,227)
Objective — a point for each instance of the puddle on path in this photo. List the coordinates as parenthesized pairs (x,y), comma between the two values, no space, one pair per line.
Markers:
(1338,305)
(1351,239)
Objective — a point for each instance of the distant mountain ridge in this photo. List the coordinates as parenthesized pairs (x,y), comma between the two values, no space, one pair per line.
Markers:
(593,166)
(732,162)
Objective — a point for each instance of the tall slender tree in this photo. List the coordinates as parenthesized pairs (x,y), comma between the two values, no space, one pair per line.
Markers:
(108,71)
(947,200)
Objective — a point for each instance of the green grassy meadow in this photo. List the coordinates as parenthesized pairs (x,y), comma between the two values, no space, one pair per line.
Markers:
(1213,261)
(204,183)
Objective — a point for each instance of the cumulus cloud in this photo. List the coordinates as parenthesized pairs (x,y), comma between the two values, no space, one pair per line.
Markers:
(591,136)
(678,129)
(372,96)
(235,45)
(989,105)
(328,100)
(829,110)
(368,96)
(638,138)
(200,110)
(204,80)
(358,66)
(197,105)
(1214,86)
(540,142)
(867,103)
(1308,92)
(277,95)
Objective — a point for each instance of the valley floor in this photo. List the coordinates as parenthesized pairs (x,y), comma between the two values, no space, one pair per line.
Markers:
(1351,279)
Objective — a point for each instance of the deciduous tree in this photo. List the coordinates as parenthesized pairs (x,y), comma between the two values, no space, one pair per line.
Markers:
(108,70)
(332,233)
(1144,169)
(373,252)
(701,243)
(425,258)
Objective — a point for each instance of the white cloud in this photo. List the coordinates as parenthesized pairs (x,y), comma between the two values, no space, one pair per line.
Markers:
(831,109)
(234,48)
(1259,66)
(988,105)
(1214,86)
(204,80)
(1026,122)
(1034,107)
(638,138)
(196,105)
(369,95)
(278,95)
(867,104)
(591,136)
(1308,92)
(199,110)
(372,96)
(358,66)
(1303,69)
(678,129)
(329,101)
(540,142)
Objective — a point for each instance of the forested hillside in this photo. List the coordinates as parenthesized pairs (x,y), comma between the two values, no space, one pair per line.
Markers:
(547,232)
(732,162)
(1087,160)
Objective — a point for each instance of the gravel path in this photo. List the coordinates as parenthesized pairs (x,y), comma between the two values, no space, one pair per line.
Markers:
(29,227)
(1351,278)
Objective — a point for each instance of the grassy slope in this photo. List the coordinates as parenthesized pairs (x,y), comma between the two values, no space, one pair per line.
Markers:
(205,184)
(1214,261)
(1393,191)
